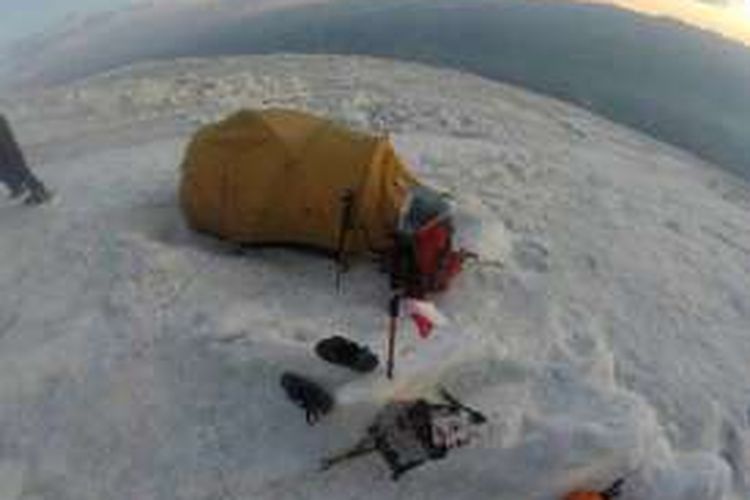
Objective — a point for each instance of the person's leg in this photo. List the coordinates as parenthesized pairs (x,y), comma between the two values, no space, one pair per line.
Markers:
(13,179)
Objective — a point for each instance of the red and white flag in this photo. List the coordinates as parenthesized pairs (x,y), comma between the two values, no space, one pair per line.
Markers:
(425,316)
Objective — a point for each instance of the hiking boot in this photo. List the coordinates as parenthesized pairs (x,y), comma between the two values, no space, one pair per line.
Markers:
(344,352)
(37,197)
(15,192)
(308,395)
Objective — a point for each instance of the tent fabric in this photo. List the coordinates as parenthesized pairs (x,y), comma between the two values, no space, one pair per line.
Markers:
(278,177)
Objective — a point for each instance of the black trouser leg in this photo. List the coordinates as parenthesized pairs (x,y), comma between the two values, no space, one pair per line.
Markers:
(13,179)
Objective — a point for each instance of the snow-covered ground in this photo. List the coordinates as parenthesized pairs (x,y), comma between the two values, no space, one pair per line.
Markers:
(605,330)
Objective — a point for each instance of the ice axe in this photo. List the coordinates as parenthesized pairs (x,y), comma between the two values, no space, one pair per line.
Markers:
(476,416)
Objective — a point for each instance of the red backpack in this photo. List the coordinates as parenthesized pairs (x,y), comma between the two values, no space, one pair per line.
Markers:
(424,259)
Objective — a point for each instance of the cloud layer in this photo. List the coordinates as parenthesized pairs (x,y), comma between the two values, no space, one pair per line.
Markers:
(108,39)
(168,28)
(682,85)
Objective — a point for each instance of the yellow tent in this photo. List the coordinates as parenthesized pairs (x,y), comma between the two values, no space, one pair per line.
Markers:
(282,177)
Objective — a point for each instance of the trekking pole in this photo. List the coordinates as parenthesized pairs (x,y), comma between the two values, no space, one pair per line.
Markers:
(347,203)
(393,310)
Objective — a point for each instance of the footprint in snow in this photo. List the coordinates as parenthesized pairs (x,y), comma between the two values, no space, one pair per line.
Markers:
(531,255)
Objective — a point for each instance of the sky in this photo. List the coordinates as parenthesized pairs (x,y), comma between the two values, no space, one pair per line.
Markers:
(730,18)
(22,18)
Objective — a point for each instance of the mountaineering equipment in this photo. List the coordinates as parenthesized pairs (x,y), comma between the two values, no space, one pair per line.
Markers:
(347,205)
(308,395)
(278,176)
(614,491)
(394,307)
(423,258)
(344,352)
(284,177)
(15,173)
(407,434)
(476,416)
(425,316)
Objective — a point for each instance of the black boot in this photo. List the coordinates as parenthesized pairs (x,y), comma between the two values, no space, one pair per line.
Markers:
(308,395)
(16,191)
(37,195)
(344,352)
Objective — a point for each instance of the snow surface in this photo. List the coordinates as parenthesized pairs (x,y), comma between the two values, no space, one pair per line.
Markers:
(604,330)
